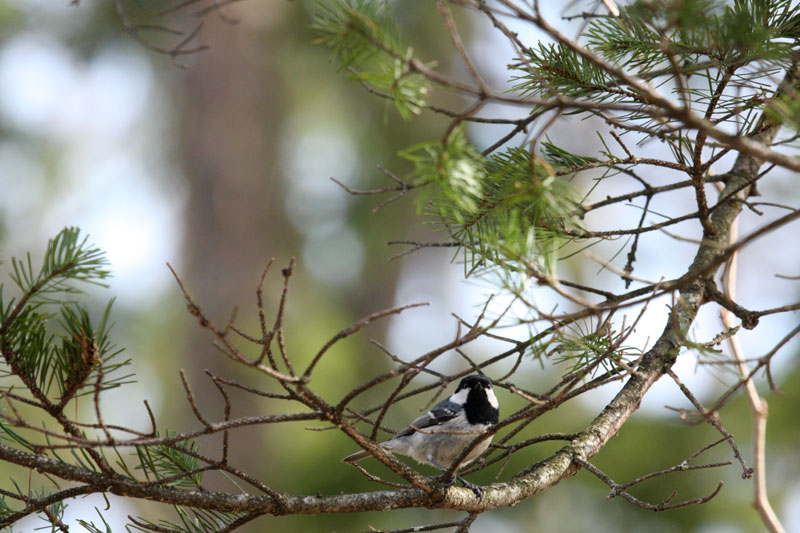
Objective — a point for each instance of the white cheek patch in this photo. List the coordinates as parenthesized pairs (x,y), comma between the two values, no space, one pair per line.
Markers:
(492,398)
(460,397)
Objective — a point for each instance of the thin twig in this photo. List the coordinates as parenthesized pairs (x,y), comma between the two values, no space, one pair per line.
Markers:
(758,406)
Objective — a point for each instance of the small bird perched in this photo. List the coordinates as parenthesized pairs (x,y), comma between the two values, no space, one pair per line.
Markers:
(439,436)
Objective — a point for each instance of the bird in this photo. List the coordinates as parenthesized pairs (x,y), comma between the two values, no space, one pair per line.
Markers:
(439,436)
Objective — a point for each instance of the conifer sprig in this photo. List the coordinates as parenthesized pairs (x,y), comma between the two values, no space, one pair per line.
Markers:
(191,521)
(366,43)
(48,339)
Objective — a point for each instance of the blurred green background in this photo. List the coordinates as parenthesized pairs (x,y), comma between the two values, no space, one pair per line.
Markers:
(218,161)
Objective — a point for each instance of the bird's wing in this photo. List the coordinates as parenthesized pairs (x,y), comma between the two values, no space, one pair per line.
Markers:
(441,412)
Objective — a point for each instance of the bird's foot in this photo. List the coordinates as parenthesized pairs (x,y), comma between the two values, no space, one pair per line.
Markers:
(445,480)
(472,486)
(448,481)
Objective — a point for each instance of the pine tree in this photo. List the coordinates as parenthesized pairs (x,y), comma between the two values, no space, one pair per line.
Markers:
(697,98)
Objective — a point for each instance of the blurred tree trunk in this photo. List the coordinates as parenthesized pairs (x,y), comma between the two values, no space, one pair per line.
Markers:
(231,125)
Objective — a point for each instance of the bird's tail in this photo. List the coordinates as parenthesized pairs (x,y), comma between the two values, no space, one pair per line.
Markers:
(355,457)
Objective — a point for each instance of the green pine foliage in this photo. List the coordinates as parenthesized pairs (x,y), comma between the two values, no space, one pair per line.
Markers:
(454,170)
(563,159)
(515,213)
(59,351)
(509,209)
(163,461)
(582,348)
(177,464)
(56,509)
(698,32)
(91,527)
(554,69)
(367,45)
(67,258)
(509,212)
(515,210)
(48,337)
(191,521)
(82,343)
(5,511)
(355,31)
(740,43)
